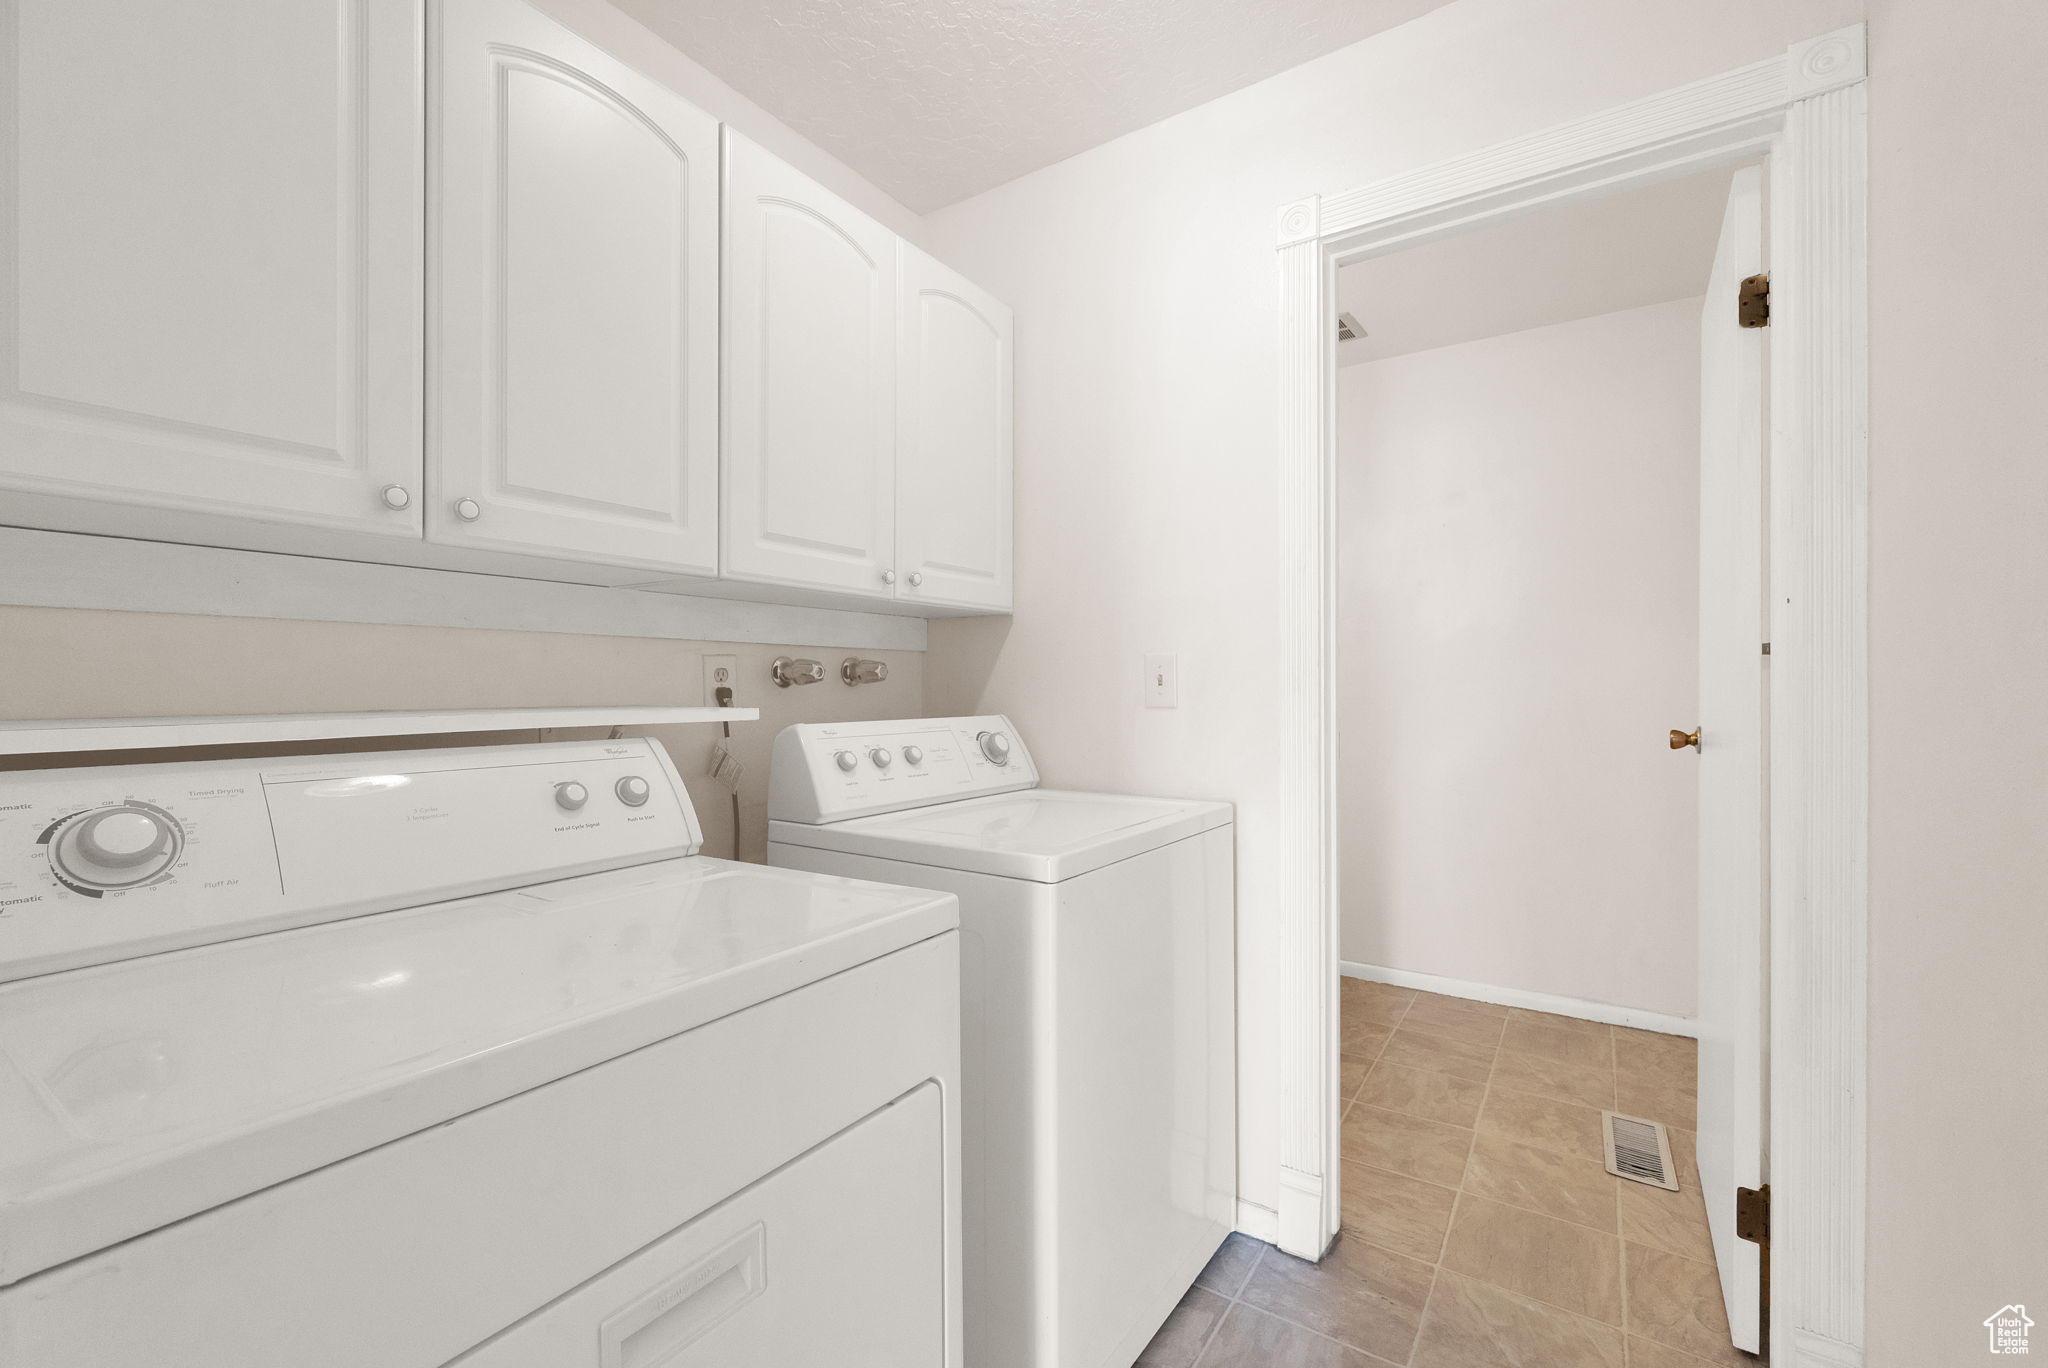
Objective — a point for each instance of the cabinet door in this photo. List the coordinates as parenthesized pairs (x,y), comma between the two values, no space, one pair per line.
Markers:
(953,440)
(810,363)
(575,327)
(210,257)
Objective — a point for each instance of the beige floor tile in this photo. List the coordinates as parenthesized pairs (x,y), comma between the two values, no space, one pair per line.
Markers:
(1361,1039)
(1576,1025)
(1417,1049)
(1396,1212)
(1675,1078)
(1252,1339)
(1380,1003)
(1569,1128)
(1423,1092)
(1474,1023)
(1363,1296)
(1685,1156)
(1675,1222)
(1351,1072)
(1556,1262)
(1554,1078)
(1584,1043)
(1409,1145)
(1644,1353)
(1571,1189)
(1645,1052)
(1673,1106)
(1676,1302)
(1448,1003)
(1471,1324)
(1186,1333)
(1231,1264)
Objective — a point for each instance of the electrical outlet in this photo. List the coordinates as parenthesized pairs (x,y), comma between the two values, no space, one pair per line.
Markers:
(1162,681)
(721,672)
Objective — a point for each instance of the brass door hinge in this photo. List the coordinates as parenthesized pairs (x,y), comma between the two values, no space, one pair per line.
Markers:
(1753,1214)
(1753,302)
(1753,1223)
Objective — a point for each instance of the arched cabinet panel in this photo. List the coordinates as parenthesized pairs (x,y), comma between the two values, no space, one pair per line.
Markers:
(575,255)
(953,483)
(810,393)
(210,260)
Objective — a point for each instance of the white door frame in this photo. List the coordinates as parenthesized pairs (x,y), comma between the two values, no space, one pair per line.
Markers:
(1805,111)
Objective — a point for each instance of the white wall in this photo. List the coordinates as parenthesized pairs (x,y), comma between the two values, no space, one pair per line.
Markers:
(1144,279)
(1518,610)
(1959,674)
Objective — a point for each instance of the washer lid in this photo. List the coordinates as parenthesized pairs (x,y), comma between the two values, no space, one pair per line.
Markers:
(138,1093)
(1044,835)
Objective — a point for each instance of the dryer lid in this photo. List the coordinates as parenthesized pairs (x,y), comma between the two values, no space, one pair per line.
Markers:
(1045,835)
(142,1092)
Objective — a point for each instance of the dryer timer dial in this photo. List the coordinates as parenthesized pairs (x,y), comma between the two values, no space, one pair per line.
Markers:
(116,847)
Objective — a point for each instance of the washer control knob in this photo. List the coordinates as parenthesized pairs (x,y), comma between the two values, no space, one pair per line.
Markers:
(116,847)
(846,760)
(913,755)
(632,790)
(880,755)
(122,838)
(571,795)
(996,746)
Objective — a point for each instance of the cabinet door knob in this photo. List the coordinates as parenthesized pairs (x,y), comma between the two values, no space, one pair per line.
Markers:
(916,578)
(396,496)
(888,577)
(469,510)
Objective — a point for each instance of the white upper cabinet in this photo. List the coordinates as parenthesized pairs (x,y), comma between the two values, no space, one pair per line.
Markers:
(953,493)
(810,383)
(210,257)
(575,329)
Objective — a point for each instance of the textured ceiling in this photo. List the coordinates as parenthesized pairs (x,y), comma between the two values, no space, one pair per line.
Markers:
(1617,252)
(936,100)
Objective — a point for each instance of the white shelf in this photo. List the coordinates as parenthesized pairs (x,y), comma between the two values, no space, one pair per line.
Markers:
(156,733)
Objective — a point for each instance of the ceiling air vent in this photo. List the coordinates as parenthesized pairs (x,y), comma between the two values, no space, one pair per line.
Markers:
(1639,1151)
(1348,329)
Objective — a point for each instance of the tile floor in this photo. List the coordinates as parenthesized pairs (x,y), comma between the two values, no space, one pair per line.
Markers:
(1480,1228)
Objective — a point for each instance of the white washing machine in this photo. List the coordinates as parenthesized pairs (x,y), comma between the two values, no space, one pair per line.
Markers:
(1097,1036)
(531,1083)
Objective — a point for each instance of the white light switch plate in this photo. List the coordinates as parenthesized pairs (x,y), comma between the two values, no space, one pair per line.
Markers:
(1162,681)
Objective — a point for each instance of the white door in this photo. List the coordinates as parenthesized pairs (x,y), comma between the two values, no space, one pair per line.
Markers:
(210,257)
(810,383)
(952,439)
(575,245)
(1732,1077)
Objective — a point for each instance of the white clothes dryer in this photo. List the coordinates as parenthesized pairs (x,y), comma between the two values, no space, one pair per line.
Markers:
(460,1056)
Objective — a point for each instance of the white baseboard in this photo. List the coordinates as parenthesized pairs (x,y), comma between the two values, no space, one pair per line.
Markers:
(1606,1012)
(1261,1223)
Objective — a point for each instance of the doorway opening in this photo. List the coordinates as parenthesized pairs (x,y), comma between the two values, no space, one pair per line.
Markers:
(1543,428)
(1805,113)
